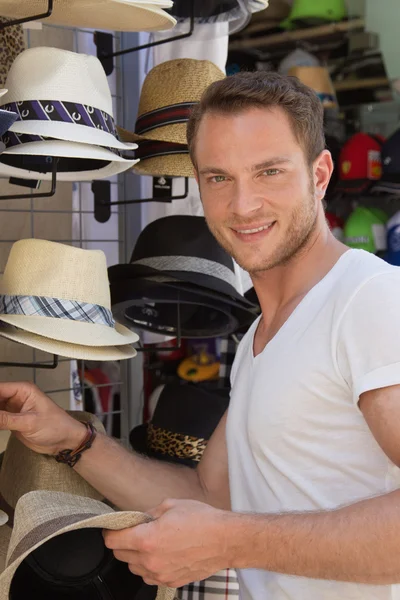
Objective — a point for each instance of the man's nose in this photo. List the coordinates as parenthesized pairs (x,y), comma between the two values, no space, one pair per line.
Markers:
(246,199)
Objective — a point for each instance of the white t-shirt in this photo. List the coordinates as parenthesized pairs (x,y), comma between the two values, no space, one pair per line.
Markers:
(297,440)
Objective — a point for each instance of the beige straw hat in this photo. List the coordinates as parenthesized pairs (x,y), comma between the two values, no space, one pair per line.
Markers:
(319,80)
(23,470)
(42,516)
(168,94)
(164,159)
(114,15)
(62,293)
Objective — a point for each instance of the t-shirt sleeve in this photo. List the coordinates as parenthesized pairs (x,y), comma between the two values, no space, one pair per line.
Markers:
(368,342)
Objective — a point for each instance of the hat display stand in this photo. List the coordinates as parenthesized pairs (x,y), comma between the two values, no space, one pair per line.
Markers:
(104,42)
(38,17)
(29,183)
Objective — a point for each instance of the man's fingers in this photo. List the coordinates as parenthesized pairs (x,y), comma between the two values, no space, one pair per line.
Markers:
(16,422)
(132,538)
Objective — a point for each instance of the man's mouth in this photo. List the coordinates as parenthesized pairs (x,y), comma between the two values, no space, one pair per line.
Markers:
(255,229)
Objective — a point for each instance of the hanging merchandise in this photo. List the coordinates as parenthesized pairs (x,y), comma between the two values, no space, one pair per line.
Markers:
(7,118)
(113,15)
(393,240)
(359,163)
(52,543)
(389,183)
(65,110)
(56,298)
(199,367)
(309,13)
(169,92)
(236,12)
(297,58)
(269,19)
(318,79)
(12,43)
(179,273)
(365,229)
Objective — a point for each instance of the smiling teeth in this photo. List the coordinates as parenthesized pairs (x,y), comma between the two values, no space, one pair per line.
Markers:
(254,230)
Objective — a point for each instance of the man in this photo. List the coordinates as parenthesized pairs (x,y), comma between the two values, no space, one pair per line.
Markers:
(298,488)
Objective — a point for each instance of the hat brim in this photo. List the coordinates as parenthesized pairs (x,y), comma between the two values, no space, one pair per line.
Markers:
(201,280)
(200,317)
(40,516)
(5,535)
(73,351)
(387,186)
(175,133)
(354,186)
(172,165)
(70,132)
(111,164)
(73,332)
(110,15)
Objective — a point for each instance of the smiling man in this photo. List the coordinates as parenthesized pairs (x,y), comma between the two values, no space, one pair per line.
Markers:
(298,488)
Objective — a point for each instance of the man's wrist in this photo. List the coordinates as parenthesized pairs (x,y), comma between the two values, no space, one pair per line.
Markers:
(242,539)
(73,438)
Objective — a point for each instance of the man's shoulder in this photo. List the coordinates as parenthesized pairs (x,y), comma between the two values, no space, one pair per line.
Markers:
(363,268)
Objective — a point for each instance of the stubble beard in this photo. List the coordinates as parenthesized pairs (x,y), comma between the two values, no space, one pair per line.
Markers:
(300,229)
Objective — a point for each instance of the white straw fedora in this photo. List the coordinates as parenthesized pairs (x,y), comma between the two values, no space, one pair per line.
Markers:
(23,470)
(113,15)
(77,162)
(61,293)
(40,519)
(63,95)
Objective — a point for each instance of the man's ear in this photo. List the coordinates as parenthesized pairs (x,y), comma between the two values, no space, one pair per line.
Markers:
(322,170)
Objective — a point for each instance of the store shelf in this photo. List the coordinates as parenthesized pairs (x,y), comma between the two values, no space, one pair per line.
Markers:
(298,35)
(358,84)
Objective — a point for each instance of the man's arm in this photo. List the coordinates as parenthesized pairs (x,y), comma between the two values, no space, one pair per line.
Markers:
(357,543)
(133,482)
(128,480)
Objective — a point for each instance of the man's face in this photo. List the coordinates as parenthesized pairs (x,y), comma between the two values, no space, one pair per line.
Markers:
(256,186)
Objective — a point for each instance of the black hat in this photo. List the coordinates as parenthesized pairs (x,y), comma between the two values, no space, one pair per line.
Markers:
(182,247)
(77,566)
(183,421)
(389,183)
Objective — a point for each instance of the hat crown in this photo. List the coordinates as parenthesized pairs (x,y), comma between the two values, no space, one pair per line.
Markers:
(180,235)
(49,269)
(23,470)
(55,74)
(176,81)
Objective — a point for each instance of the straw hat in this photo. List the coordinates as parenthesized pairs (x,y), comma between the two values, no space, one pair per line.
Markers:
(62,95)
(57,544)
(23,470)
(62,293)
(77,162)
(169,92)
(114,15)
(163,159)
(318,79)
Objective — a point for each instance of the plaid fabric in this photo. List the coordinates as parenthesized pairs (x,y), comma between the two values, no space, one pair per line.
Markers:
(221,586)
(227,356)
(56,308)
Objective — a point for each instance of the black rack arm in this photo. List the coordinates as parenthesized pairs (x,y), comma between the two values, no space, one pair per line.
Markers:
(53,365)
(28,19)
(166,199)
(40,194)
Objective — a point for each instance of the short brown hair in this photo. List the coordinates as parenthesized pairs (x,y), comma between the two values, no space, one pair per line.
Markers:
(264,89)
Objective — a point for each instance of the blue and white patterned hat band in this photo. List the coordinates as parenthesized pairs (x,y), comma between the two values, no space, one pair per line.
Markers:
(56,308)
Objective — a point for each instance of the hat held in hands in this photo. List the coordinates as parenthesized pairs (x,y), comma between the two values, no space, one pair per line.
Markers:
(58,296)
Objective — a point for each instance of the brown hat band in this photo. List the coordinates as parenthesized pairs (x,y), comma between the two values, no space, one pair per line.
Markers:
(178,445)
(167,115)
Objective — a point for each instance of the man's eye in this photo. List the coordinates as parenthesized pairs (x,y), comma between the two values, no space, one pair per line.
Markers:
(271,172)
(218,178)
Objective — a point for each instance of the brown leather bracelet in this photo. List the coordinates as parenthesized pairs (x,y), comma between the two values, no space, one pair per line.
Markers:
(71,457)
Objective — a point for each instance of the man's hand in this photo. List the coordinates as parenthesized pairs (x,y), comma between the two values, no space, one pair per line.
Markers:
(186,542)
(36,420)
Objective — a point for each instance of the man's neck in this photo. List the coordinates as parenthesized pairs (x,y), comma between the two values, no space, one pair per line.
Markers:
(283,285)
